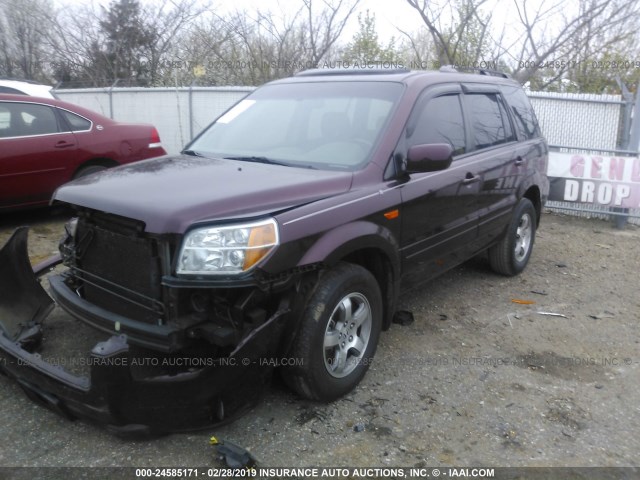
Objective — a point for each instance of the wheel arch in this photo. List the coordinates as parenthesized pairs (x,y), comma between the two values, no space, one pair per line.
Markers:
(366,244)
(533,194)
(99,161)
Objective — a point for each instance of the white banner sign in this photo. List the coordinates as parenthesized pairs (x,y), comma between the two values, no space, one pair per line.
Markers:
(601,180)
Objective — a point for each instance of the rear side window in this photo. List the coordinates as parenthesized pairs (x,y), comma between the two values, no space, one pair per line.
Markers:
(27,119)
(524,117)
(441,121)
(491,126)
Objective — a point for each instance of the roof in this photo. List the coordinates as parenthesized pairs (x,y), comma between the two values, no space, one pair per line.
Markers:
(381,73)
(28,87)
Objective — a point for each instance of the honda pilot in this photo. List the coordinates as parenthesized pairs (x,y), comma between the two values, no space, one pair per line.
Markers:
(286,230)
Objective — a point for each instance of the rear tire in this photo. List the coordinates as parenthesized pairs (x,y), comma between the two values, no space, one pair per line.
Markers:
(338,335)
(511,255)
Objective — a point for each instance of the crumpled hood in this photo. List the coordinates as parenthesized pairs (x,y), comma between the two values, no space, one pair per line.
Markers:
(171,193)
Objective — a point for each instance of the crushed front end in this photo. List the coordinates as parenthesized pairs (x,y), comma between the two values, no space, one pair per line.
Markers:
(178,353)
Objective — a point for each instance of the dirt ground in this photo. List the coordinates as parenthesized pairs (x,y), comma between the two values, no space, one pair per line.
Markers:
(476,380)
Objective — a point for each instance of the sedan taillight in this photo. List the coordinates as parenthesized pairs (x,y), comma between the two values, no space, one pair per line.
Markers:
(155,139)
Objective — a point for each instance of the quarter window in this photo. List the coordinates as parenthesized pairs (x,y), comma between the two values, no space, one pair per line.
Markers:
(76,122)
(525,118)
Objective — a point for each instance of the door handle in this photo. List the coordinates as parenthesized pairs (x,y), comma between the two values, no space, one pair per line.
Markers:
(64,144)
(519,161)
(470,178)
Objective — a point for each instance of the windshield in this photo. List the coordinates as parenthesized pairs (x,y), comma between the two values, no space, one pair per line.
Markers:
(328,125)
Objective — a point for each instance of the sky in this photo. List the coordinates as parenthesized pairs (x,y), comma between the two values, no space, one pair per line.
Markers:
(391,14)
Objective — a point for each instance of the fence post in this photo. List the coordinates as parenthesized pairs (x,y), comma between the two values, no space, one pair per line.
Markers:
(111,98)
(191,111)
(634,142)
(634,138)
(627,98)
(625,141)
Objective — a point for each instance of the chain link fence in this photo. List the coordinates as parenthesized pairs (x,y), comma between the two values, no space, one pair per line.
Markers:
(589,125)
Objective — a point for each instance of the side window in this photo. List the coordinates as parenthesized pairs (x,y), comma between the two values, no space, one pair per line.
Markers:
(524,117)
(5,121)
(27,119)
(77,123)
(441,121)
(490,126)
(508,128)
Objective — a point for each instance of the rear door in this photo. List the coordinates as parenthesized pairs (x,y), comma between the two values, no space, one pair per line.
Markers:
(36,153)
(439,212)
(499,162)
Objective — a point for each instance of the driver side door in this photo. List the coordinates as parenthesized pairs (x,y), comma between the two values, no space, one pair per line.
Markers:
(440,209)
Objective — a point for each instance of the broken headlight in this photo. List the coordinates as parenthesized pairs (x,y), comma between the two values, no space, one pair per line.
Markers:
(226,249)
(71,227)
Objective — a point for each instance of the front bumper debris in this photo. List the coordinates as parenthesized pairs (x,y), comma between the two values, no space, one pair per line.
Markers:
(24,303)
(202,392)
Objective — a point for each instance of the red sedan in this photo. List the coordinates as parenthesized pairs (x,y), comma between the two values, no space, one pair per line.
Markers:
(45,143)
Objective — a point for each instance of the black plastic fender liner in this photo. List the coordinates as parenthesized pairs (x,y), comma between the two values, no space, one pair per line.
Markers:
(23,301)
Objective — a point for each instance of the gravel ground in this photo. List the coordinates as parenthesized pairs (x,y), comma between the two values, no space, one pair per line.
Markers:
(476,380)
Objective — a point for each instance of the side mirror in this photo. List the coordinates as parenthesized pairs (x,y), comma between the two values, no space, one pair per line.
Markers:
(429,158)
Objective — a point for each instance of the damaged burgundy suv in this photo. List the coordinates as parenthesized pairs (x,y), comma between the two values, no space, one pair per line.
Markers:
(282,236)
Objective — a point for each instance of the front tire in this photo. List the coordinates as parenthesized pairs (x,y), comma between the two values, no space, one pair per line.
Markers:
(338,335)
(511,255)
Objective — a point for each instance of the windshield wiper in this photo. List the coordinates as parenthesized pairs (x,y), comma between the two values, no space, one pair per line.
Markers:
(254,159)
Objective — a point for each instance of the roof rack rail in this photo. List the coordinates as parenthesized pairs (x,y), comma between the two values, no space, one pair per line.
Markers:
(351,71)
(480,71)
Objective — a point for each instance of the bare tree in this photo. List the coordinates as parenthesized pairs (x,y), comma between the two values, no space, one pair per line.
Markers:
(129,42)
(202,46)
(71,36)
(229,50)
(167,21)
(542,42)
(325,24)
(365,47)
(458,29)
(269,45)
(416,49)
(558,35)
(22,50)
(250,48)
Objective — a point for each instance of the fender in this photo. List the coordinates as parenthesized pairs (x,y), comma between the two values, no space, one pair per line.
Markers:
(345,240)
(541,183)
(341,241)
